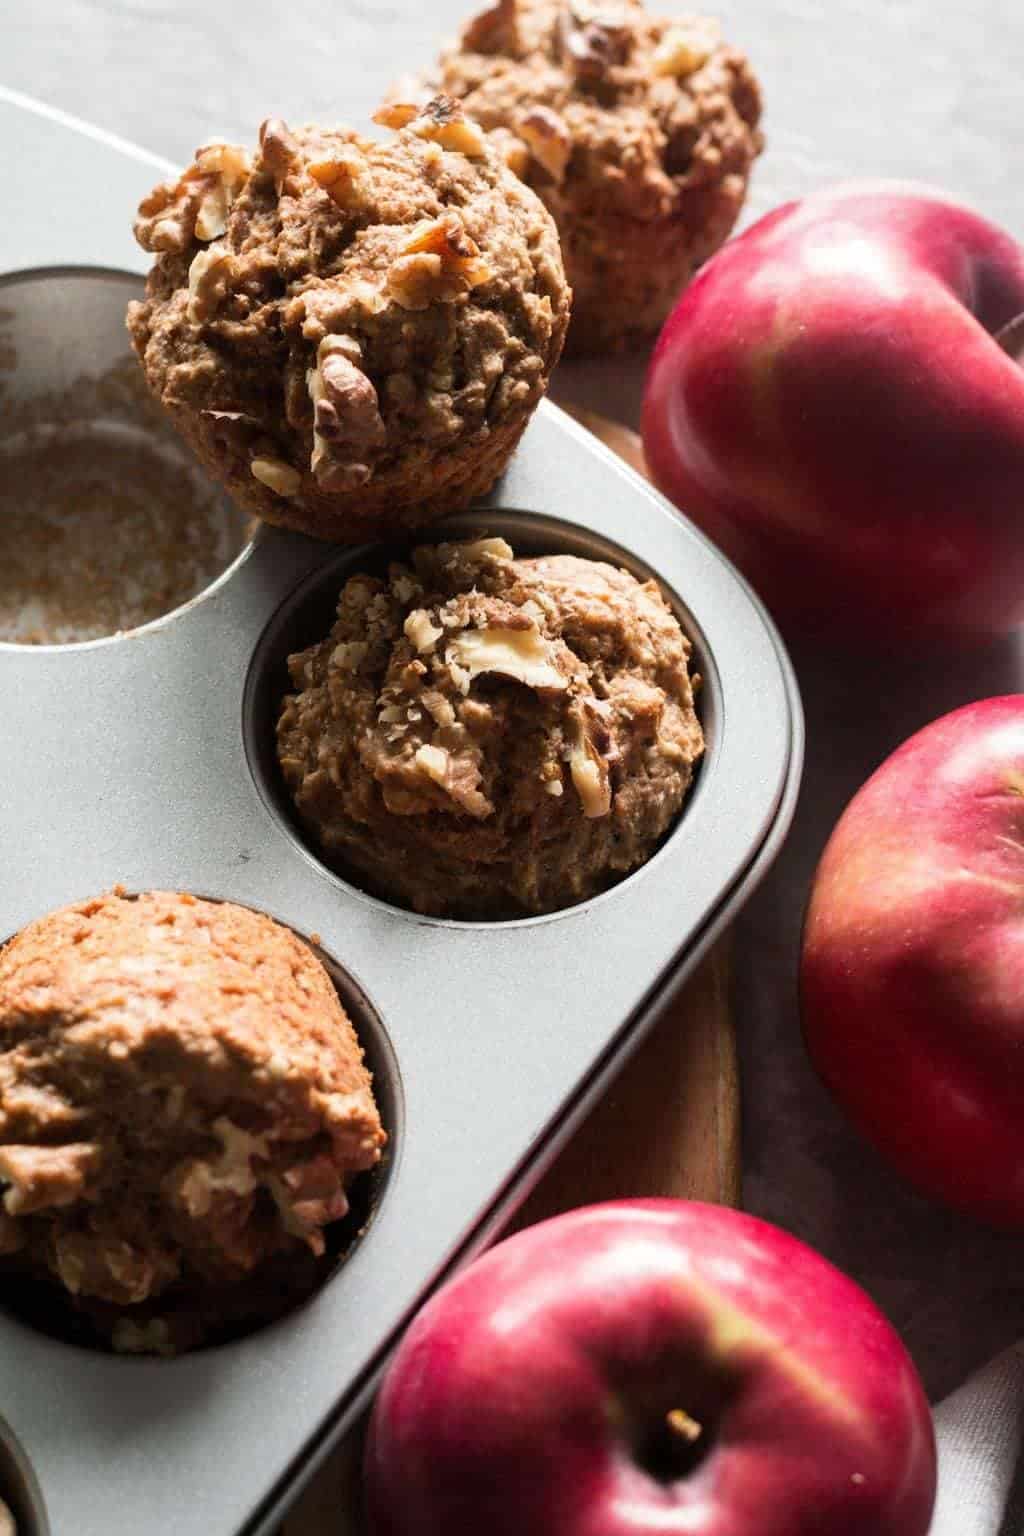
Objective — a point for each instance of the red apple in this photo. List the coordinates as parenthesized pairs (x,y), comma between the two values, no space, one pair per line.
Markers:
(912,973)
(829,402)
(653,1366)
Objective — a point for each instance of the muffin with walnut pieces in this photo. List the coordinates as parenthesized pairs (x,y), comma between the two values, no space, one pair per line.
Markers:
(351,334)
(183,1108)
(638,132)
(481,736)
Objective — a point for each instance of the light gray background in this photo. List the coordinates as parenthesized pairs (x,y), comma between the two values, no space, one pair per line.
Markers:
(920,88)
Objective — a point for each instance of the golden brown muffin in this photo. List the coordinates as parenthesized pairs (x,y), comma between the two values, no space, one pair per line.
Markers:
(352,335)
(182,1098)
(639,133)
(481,736)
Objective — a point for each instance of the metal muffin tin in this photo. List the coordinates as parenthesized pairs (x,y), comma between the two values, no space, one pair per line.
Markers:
(147,759)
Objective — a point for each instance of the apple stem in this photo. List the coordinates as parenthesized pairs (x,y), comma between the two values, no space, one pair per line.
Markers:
(1011,338)
(681,1424)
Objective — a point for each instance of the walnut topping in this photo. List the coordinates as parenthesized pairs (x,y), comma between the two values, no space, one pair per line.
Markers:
(593,38)
(433,761)
(308,1196)
(548,140)
(423,634)
(209,278)
(349,655)
(166,218)
(590,776)
(346,415)
(196,206)
(442,121)
(493,549)
(44,1177)
(228,161)
(194,1183)
(338,174)
(683,50)
(493,30)
(397,114)
(225,168)
(438,263)
(277,476)
(279,149)
(513,151)
(520,653)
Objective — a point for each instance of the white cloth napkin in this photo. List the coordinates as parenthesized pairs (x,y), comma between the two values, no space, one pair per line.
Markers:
(980,1430)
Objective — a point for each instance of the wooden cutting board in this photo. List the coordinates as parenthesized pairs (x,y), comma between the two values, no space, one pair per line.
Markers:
(668,1125)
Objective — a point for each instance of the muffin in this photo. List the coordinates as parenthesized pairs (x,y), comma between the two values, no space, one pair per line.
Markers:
(638,132)
(486,737)
(352,335)
(182,1102)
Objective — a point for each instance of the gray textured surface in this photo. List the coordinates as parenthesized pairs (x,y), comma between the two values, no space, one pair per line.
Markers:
(923,88)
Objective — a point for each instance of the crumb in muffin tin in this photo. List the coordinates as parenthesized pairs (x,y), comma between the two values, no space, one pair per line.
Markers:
(106,524)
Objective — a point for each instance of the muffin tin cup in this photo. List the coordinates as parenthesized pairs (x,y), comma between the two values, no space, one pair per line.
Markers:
(148,761)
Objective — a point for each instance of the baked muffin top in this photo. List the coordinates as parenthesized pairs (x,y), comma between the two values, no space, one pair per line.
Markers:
(486,736)
(338,312)
(601,103)
(182,1097)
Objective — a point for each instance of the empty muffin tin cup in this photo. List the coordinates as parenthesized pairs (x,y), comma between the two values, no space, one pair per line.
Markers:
(106,523)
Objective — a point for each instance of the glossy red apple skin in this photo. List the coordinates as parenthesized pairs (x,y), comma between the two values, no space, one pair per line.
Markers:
(912,970)
(516,1398)
(828,403)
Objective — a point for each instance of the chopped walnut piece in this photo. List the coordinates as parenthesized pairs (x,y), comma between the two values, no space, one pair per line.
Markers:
(397,114)
(513,151)
(493,30)
(494,548)
(166,218)
(41,1178)
(279,149)
(433,761)
(309,1196)
(520,653)
(683,50)
(224,168)
(277,476)
(228,161)
(547,139)
(442,121)
(423,634)
(348,655)
(438,263)
(209,278)
(194,1184)
(593,38)
(590,776)
(338,174)
(212,217)
(346,415)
